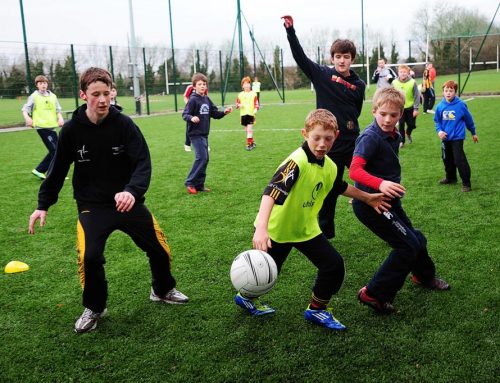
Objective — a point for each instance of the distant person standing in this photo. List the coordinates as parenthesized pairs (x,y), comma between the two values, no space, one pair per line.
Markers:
(42,111)
(256,87)
(406,84)
(432,73)
(428,92)
(451,118)
(248,104)
(383,75)
(187,94)
(112,94)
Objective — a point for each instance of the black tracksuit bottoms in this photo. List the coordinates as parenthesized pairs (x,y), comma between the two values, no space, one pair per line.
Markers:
(408,254)
(322,254)
(95,224)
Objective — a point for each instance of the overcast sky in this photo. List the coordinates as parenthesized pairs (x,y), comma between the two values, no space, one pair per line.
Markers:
(106,22)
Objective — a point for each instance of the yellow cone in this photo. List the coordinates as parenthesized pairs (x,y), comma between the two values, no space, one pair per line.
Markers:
(16,267)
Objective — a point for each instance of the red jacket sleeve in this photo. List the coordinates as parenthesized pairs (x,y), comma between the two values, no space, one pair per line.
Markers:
(358,173)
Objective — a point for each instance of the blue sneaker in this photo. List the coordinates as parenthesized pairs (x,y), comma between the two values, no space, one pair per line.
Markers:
(253,306)
(323,318)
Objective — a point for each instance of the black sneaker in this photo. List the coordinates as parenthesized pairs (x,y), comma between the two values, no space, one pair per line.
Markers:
(380,307)
(435,284)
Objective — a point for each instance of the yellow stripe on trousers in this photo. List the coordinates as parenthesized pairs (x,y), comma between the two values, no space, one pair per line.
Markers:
(80,250)
(163,240)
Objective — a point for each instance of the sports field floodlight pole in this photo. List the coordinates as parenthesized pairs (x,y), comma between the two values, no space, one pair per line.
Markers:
(135,78)
(28,70)
(362,35)
(240,39)
(173,55)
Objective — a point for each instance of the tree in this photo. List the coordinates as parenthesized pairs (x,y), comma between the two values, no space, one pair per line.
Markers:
(15,82)
(394,54)
(444,23)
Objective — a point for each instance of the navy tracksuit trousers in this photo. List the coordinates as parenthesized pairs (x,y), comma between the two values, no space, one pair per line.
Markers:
(408,254)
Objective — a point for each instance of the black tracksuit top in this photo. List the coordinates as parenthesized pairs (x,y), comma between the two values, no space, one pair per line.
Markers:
(108,158)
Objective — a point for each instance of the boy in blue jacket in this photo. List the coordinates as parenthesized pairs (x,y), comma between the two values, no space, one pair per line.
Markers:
(197,114)
(451,118)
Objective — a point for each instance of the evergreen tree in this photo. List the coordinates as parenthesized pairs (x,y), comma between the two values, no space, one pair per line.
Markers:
(394,54)
(15,83)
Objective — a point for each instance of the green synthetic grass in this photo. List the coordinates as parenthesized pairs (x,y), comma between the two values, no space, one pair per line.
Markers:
(486,82)
(433,337)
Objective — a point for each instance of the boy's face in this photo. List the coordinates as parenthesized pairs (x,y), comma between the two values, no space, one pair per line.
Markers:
(403,74)
(319,140)
(98,99)
(112,93)
(246,86)
(200,87)
(342,63)
(381,64)
(387,116)
(42,86)
(449,93)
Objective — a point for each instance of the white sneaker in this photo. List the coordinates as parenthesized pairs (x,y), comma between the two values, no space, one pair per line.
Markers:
(88,320)
(173,296)
(187,148)
(431,111)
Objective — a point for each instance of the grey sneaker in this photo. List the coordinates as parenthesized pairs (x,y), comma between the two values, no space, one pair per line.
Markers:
(173,296)
(88,320)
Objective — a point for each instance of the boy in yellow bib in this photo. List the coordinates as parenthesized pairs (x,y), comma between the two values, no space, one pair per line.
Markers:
(248,104)
(288,216)
(43,112)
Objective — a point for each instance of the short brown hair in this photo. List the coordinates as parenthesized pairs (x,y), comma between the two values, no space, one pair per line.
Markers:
(41,78)
(405,67)
(388,96)
(246,79)
(322,117)
(199,77)
(451,84)
(94,74)
(343,46)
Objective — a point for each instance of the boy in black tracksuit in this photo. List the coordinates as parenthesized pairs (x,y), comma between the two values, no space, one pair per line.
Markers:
(197,114)
(341,91)
(112,171)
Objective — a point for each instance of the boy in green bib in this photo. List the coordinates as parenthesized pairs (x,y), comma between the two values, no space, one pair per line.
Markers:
(288,216)
(43,112)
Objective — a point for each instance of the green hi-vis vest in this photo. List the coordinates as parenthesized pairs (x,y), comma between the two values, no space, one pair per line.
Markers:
(297,219)
(407,88)
(44,112)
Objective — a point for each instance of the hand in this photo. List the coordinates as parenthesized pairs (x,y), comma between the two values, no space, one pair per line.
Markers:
(29,122)
(124,201)
(37,214)
(228,110)
(195,120)
(415,113)
(442,135)
(475,139)
(379,202)
(60,122)
(288,21)
(261,240)
(392,189)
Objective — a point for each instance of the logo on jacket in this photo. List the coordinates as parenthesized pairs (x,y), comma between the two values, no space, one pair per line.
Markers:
(117,149)
(449,115)
(314,195)
(82,152)
(204,109)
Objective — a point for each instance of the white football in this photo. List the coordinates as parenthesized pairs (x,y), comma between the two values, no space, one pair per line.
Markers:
(253,273)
